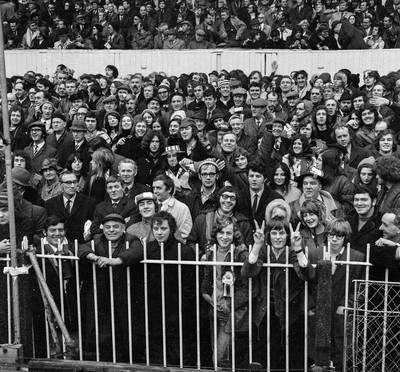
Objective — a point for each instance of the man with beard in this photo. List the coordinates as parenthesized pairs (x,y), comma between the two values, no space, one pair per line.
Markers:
(344,107)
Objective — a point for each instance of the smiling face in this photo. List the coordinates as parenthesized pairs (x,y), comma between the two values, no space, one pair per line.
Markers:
(279,177)
(186,133)
(147,208)
(140,129)
(126,123)
(241,162)
(225,236)
(112,121)
(363,204)
(228,143)
(389,228)
(278,238)
(55,233)
(297,146)
(227,202)
(113,230)
(15,118)
(50,174)
(386,144)
(368,118)
(311,220)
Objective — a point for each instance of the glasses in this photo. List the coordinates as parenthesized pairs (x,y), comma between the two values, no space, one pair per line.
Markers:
(206,175)
(228,197)
(338,236)
(69,183)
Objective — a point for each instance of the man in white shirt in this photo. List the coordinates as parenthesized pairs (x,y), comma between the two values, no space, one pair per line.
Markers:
(163,189)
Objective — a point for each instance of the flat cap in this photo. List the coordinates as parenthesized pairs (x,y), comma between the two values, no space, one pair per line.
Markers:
(110,99)
(188,122)
(113,217)
(240,91)
(37,124)
(259,102)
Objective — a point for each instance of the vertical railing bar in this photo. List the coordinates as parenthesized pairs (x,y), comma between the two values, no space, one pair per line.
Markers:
(346,303)
(250,316)
(46,325)
(268,309)
(164,328)
(61,287)
(96,314)
(287,308)
(366,302)
(385,302)
(146,304)
(306,318)
(198,308)
(180,306)
(114,351)
(232,293)
(129,297)
(78,301)
(215,308)
(9,325)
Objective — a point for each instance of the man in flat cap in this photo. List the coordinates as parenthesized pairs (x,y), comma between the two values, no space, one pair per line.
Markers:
(172,41)
(39,149)
(256,125)
(112,248)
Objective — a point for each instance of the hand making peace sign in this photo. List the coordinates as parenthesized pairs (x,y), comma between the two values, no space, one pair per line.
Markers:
(259,233)
(295,237)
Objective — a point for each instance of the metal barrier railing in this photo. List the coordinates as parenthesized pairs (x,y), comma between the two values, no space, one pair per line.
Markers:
(356,320)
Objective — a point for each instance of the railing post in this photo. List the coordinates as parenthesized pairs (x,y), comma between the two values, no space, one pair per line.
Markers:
(323,315)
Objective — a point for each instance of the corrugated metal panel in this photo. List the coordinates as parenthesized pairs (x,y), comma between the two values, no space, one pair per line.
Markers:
(177,62)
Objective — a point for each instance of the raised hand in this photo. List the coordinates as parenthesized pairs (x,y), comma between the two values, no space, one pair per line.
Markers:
(258,235)
(295,237)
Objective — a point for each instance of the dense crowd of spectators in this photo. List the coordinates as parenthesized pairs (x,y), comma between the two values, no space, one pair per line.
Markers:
(171,24)
(220,158)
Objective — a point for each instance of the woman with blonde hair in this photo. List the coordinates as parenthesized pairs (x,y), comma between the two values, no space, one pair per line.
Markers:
(101,169)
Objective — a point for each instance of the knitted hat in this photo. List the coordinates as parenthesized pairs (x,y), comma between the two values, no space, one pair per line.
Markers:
(145,196)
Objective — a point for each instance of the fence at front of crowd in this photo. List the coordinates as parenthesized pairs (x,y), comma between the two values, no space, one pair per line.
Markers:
(124,322)
(186,61)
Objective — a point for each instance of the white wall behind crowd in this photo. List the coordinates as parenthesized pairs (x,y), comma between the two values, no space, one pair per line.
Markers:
(177,62)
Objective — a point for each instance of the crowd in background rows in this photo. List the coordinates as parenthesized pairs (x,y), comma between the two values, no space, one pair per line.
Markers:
(171,24)
(224,155)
